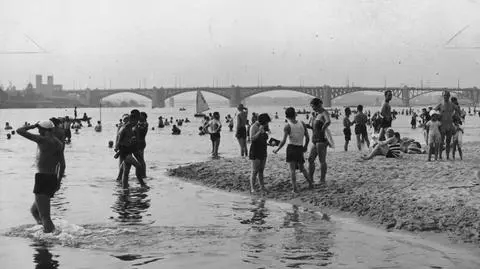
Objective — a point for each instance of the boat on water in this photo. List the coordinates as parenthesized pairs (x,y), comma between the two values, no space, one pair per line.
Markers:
(201,105)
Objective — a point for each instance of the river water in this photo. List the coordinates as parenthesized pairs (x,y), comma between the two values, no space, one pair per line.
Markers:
(180,225)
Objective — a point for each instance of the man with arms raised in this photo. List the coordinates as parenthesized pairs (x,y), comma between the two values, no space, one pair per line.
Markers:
(447,129)
(47,180)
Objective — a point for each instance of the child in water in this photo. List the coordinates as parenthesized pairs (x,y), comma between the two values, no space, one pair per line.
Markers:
(433,133)
(457,140)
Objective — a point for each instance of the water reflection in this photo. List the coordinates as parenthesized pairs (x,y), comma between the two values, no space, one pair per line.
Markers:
(307,239)
(131,204)
(43,259)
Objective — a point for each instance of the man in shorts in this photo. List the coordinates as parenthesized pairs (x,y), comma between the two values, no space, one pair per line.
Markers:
(386,115)
(47,180)
(298,137)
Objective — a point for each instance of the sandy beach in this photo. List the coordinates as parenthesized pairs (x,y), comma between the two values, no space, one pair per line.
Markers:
(409,194)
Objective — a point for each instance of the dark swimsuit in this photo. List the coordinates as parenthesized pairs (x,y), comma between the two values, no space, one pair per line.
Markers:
(258,148)
(241,132)
(318,135)
(46,184)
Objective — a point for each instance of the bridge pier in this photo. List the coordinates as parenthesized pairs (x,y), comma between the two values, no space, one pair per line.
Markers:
(158,98)
(327,96)
(406,97)
(235,97)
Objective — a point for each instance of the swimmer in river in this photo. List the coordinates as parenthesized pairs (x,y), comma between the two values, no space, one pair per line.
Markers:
(47,180)
(98,127)
(7,126)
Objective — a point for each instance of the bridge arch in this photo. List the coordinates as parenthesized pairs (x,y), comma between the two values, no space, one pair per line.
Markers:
(314,92)
(216,92)
(101,95)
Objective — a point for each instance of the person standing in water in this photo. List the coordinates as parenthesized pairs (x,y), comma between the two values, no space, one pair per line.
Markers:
(386,115)
(241,130)
(75,113)
(47,179)
(296,132)
(319,140)
(214,128)
(141,132)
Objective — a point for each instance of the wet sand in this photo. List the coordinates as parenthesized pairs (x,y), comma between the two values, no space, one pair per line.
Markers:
(408,194)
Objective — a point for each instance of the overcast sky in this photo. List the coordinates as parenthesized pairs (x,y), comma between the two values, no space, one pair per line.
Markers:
(197,42)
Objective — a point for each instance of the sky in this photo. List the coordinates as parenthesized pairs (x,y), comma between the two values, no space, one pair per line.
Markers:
(189,43)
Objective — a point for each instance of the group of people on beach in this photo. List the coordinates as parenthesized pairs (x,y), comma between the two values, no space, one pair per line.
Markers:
(442,124)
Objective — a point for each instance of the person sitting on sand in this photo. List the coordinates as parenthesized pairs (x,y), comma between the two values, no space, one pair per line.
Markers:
(434,135)
(47,181)
(7,126)
(389,148)
(258,150)
(296,131)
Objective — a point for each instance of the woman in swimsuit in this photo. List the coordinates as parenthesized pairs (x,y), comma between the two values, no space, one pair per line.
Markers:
(258,150)
(319,140)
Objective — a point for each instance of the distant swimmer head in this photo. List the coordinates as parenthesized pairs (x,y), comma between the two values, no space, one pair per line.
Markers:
(99,122)
(9,136)
(110,144)
(13,132)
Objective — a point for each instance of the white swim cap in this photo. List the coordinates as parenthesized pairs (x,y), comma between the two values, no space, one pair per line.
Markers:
(433,112)
(46,124)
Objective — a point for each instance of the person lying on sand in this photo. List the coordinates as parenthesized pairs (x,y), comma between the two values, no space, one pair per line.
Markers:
(389,148)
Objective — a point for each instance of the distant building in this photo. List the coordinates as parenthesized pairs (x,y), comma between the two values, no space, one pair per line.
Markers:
(48,89)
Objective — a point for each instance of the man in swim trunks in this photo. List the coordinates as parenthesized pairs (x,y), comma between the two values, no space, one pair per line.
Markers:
(319,140)
(241,129)
(47,180)
(447,128)
(361,133)
(386,115)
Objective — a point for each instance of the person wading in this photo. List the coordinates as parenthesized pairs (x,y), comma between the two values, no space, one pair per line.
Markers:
(47,179)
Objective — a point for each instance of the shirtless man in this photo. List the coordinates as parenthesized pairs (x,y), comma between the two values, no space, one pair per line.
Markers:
(447,128)
(241,133)
(386,115)
(47,180)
